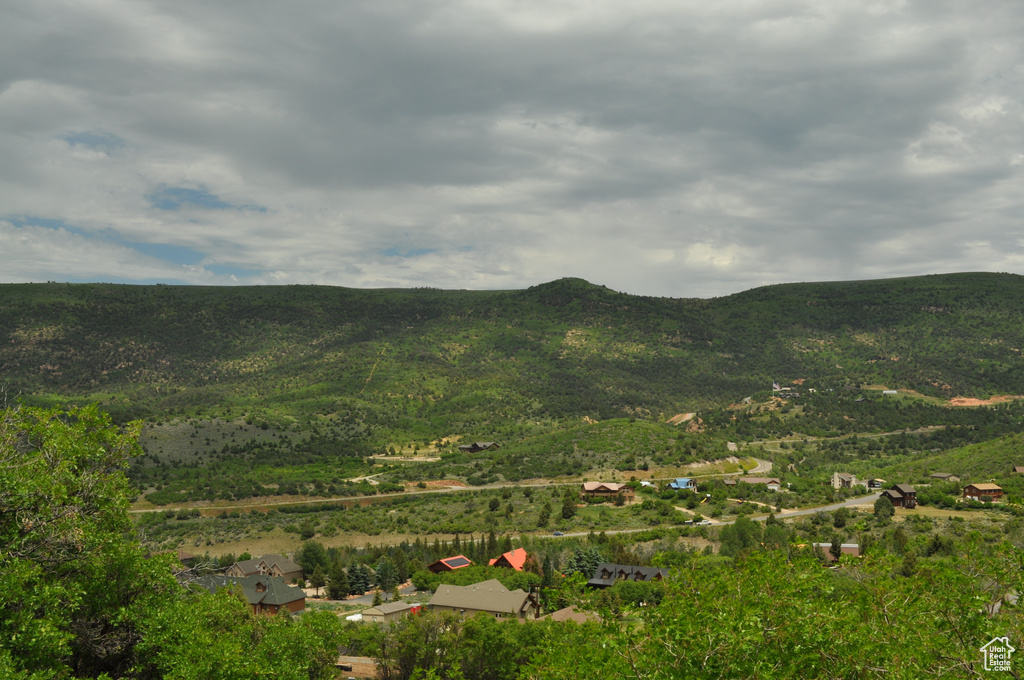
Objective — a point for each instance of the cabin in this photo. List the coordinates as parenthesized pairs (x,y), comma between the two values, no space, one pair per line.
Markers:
(606,575)
(974,492)
(606,490)
(683,484)
(265,594)
(945,477)
(268,565)
(772,483)
(514,559)
(449,564)
(901,496)
(477,447)
(389,611)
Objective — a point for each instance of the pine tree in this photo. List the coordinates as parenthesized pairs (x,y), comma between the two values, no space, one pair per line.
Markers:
(337,582)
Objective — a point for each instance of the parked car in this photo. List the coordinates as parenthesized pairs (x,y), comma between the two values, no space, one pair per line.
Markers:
(704,523)
(558,533)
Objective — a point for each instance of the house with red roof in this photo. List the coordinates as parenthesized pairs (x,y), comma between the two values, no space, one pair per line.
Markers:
(514,559)
(449,564)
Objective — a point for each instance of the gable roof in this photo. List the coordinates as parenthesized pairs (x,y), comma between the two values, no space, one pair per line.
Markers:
(258,589)
(263,564)
(607,486)
(905,489)
(388,608)
(761,480)
(986,487)
(450,563)
(488,596)
(606,574)
(514,559)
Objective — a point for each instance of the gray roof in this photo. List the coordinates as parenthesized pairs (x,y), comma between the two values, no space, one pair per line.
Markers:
(253,566)
(607,574)
(488,596)
(267,590)
(387,608)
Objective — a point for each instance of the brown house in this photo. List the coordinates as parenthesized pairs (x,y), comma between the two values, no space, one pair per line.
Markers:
(902,496)
(606,490)
(489,597)
(449,564)
(974,492)
(268,565)
(477,447)
(265,594)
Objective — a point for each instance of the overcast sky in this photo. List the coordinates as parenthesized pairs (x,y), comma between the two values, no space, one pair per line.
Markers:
(682,149)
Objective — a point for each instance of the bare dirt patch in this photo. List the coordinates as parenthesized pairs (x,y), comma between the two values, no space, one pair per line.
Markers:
(680,418)
(362,666)
(998,399)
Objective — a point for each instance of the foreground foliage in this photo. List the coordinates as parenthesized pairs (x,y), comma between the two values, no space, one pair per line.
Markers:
(79,599)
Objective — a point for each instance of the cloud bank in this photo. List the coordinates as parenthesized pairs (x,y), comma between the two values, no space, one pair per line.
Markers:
(659,148)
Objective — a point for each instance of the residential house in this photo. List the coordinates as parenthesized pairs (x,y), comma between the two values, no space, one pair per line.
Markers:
(607,574)
(570,613)
(945,477)
(683,484)
(477,447)
(389,611)
(1018,469)
(902,496)
(606,490)
(974,492)
(845,480)
(265,594)
(270,565)
(772,483)
(489,597)
(729,482)
(514,559)
(449,564)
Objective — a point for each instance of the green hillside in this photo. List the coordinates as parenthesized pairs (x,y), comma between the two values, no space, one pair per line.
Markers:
(429,362)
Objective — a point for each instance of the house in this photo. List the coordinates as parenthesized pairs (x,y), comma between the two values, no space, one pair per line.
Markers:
(845,480)
(772,483)
(605,575)
(683,484)
(489,597)
(449,564)
(729,482)
(1018,469)
(514,559)
(265,594)
(270,565)
(606,490)
(477,447)
(974,492)
(389,611)
(570,613)
(945,477)
(901,496)
(851,549)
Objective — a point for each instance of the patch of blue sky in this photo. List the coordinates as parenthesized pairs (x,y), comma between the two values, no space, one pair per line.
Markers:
(103,141)
(174,198)
(174,254)
(407,252)
(229,270)
(45,222)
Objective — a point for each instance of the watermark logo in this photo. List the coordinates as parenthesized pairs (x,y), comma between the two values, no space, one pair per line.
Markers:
(997,654)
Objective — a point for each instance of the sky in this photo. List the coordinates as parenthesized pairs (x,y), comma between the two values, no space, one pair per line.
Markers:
(665,148)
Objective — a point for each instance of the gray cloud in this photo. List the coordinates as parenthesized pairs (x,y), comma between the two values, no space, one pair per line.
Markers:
(660,148)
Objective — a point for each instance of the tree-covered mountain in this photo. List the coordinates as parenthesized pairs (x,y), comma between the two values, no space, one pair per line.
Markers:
(446,360)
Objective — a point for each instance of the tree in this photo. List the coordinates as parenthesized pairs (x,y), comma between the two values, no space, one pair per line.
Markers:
(494,505)
(318,579)
(569,504)
(387,574)
(337,582)
(311,555)
(883,509)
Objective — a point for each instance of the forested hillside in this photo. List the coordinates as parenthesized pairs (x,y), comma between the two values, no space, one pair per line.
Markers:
(429,362)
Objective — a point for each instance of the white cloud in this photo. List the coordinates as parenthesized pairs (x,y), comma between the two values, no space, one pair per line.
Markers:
(655,147)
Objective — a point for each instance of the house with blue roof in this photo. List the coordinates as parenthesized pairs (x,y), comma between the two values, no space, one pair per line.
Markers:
(683,483)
